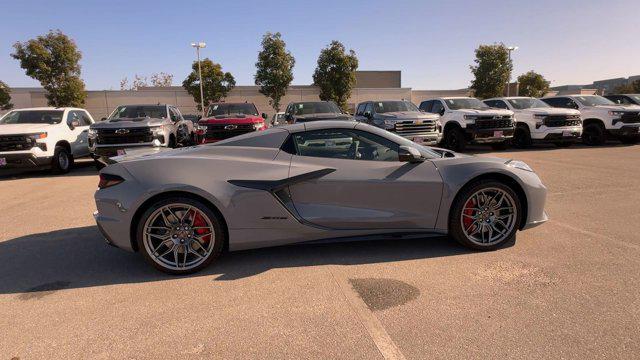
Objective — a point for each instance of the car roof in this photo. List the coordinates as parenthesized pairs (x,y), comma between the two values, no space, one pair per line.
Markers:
(232,103)
(510,97)
(48,108)
(146,105)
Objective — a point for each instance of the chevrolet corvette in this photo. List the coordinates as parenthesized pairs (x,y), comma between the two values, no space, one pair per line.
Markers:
(314,181)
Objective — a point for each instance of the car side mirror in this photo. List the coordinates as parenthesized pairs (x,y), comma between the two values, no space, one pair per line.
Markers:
(410,154)
(264,116)
(441,112)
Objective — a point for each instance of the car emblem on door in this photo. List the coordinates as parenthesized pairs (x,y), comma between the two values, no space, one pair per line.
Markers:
(231,127)
(122,131)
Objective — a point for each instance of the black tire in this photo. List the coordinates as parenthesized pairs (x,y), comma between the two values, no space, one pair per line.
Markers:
(62,161)
(216,222)
(563,144)
(500,146)
(593,134)
(455,214)
(522,138)
(172,142)
(454,140)
(630,140)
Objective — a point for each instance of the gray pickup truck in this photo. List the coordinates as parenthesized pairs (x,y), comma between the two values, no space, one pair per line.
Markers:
(136,126)
(403,118)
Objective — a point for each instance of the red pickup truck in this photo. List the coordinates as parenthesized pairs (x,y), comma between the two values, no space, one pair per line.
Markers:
(225,120)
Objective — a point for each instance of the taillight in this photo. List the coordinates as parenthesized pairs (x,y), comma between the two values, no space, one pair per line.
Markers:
(108,180)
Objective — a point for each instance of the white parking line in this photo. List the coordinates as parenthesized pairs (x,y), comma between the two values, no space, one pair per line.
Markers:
(596,235)
(378,334)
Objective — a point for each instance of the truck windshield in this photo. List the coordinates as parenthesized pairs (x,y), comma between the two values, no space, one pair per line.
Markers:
(232,109)
(594,100)
(636,98)
(306,108)
(393,106)
(466,103)
(139,111)
(33,117)
(527,103)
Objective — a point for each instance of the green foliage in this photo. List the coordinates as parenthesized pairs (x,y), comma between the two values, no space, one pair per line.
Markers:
(491,71)
(53,59)
(532,84)
(216,83)
(5,97)
(274,69)
(335,74)
(629,88)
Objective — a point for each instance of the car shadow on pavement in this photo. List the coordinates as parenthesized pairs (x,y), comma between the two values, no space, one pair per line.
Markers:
(80,168)
(79,257)
(479,149)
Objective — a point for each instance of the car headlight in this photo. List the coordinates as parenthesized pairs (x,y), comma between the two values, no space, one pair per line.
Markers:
(258,126)
(539,116)
(616,113)
(157,130)
(519,165)
(471,117)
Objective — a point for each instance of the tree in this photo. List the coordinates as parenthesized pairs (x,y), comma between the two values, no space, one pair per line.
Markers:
(216,83)
(161,79)
(335,74)
(5,97)
(53,60)
(628,88)
(532,84)
(274,69)
(492,70)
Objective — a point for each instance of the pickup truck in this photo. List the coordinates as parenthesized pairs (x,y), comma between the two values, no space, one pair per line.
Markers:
(538,122)
(43,138)
(225,120)
(468,120)
(298,112)
(136,126)
(403,118)
(602,118)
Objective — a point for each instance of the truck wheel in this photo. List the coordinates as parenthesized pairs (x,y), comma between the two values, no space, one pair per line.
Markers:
(521,138)
(593,135)
(500,146)
(454,140)
(172,142)
(62,161)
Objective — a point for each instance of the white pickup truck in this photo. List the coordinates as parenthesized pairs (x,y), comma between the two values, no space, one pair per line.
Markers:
(538,122)
(601,118)
(44,137)
(468,120)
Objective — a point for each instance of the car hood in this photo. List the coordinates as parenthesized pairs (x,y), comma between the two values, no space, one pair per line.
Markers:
(235,119)
(548,111)
(15,129)
(614,107)
(406,115)
(323,116)
(129,123)
(489,112)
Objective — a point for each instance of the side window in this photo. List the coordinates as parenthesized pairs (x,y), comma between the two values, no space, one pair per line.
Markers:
(369,108)
(426,105)
(173,115)
(501,105)
(178,113)
(85,119)
(437,107)
(567,103)
(73,116)
(360,109)
(345,144)
(490,103)
(625,100)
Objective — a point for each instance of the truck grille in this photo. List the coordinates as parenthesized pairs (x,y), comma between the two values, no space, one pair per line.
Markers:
(116,136)
(225,131)
(561,120)
(15,143)
(490,122)
(411,128)
(630,117)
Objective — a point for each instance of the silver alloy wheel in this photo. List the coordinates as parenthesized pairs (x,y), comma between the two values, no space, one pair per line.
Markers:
(488,216)
(63,160)
(178,236)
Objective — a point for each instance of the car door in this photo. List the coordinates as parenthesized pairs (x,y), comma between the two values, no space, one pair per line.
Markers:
(369,187)
(78,130)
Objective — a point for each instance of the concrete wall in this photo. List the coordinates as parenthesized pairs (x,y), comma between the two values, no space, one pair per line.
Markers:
(378,79)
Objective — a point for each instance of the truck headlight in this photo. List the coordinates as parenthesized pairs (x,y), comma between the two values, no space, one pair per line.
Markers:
(258,126)
(471,117)
(519,165)
(157,130)
(616,113)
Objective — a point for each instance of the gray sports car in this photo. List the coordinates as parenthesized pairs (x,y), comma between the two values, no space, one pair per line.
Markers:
(309,182)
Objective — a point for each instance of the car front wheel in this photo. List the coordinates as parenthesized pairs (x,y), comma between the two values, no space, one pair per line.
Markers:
(180,235)
(485,215)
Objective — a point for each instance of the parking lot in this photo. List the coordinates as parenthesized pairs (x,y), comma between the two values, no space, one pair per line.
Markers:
(567,289)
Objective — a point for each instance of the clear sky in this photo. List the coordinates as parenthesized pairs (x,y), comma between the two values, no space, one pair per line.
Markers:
(431,42)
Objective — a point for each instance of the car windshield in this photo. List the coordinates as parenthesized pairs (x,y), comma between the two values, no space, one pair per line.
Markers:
(466,103)
(307,108)
(224,110)
(594,100)
(33,117)
(393,106)
(527,103)
(636,98)
(139,111)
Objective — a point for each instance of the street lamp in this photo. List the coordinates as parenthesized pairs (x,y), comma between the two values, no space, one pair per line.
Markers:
(510,49)
(198,46)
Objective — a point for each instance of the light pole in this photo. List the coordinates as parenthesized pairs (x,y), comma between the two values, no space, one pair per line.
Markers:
(510,49)
(198,46)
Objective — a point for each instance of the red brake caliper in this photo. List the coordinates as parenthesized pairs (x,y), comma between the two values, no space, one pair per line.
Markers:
(198,221)
(467,220)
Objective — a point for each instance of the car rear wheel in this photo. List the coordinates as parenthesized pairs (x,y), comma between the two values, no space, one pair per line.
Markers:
(485,215)
(180,235)
(454,140)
